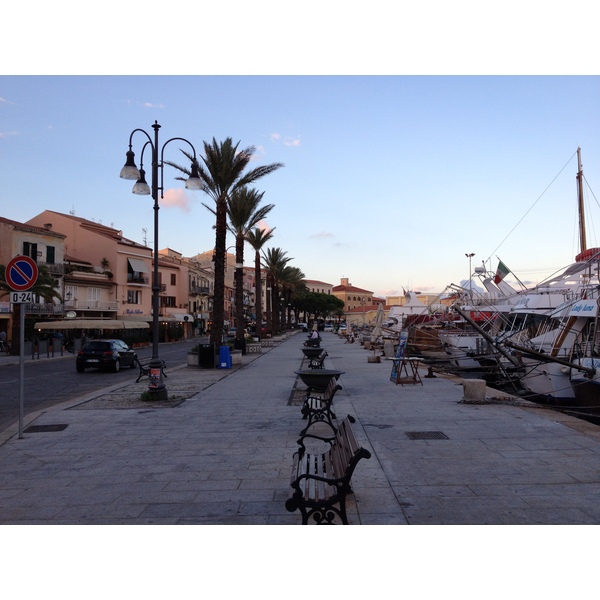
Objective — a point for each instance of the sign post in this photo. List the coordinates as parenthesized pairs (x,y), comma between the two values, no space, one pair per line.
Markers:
(21,275)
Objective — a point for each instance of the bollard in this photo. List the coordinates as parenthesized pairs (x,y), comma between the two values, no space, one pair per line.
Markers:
(474,389)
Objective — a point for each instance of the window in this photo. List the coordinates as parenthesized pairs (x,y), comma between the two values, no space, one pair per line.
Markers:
(168,301)
(70,293)
(30,249)
(134,297)
(50,255)
(173,279)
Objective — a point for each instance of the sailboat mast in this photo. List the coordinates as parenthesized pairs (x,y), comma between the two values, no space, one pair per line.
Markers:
(582,240)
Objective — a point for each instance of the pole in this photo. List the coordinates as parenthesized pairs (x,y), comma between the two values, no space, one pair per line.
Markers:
(21,370)
(156,385)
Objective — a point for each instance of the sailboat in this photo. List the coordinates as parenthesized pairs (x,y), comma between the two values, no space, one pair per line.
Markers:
(558,350)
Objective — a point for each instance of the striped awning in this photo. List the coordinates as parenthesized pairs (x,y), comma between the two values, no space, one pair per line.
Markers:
(139,266)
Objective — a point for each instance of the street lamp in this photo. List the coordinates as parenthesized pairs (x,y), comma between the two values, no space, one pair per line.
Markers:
(156,385)
(470,256)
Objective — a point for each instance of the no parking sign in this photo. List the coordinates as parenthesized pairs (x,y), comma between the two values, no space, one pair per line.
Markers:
(21,273)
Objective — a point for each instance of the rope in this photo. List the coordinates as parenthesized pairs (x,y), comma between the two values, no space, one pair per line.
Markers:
(531,207)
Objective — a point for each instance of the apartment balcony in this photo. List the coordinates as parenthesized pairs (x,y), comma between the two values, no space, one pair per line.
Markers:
(137,278)
(95,305)
(199,290)
(45,309)
(53,268)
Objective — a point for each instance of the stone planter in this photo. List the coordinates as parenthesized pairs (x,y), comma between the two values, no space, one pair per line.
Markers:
(192,359)
(267,343)
(236,357)
(253,348)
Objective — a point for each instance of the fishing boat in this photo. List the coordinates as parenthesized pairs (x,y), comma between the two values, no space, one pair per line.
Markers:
(558,348)
(539,335)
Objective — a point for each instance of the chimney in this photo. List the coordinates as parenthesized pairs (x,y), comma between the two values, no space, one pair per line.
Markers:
(48,226)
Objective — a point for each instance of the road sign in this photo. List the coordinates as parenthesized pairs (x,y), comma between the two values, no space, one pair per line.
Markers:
(21,297)
(21,273)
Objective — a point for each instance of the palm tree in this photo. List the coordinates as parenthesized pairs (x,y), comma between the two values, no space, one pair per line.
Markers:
(292,284)
(257,239)
(274,260)
(222,174)
(45,287)
(244,214)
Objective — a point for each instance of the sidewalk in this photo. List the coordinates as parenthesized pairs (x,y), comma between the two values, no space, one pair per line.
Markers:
(220,452)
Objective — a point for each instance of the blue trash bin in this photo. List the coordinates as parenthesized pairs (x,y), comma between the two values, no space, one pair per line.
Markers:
(224,357)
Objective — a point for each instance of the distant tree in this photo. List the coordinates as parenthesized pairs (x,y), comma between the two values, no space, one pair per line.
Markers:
(244,214)
(257,238)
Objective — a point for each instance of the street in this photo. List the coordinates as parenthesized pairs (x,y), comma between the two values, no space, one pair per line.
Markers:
(52,381)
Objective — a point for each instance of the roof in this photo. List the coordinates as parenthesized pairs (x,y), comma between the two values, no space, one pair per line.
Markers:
(350,288)
(98,228)
(31,228)
(315,281)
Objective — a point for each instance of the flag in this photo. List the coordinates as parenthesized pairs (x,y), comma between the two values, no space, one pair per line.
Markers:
(501,272)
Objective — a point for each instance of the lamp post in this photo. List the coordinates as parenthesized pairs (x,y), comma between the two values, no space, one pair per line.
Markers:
(156,385)
(470,256)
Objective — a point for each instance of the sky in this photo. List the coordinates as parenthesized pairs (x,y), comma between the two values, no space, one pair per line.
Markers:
(412,134)
(387,180)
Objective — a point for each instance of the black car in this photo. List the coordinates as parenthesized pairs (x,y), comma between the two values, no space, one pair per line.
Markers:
(105,354)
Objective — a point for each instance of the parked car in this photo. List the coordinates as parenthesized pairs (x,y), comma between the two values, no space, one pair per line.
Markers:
(105,354)
(231,332)
(328,327)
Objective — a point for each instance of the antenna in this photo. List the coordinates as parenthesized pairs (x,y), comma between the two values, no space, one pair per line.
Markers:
(145,233)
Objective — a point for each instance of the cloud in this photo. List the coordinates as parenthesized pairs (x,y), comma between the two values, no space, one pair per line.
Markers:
(176,198)
(4,134)
(322,234)
(262,225)
(288,140)
(144,104)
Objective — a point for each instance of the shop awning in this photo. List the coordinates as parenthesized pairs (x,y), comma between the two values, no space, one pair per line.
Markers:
(139,266)
(182,317)
(91,324)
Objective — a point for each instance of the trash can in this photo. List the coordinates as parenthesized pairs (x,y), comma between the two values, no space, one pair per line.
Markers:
(240,345)
(224,358)
(206,356)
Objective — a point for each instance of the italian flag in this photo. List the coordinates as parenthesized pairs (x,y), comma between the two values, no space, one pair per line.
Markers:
(501,272)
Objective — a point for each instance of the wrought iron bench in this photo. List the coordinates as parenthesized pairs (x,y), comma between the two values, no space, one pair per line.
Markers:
(318,408)
(318,361)
(144,366)
(321,480)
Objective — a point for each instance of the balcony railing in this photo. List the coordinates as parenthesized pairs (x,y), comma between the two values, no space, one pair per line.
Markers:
(136,278)
(53,268)
(197,289)
(44,309)
(105,305)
